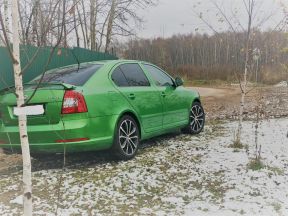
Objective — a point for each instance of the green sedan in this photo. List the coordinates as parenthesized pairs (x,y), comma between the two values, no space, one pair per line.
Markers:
(100,105)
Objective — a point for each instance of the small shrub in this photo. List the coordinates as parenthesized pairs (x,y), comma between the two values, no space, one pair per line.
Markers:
(255,164)
(237,144)
(236,150)
(277,206)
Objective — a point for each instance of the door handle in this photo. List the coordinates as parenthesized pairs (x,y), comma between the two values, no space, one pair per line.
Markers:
(163,94)
(131,96)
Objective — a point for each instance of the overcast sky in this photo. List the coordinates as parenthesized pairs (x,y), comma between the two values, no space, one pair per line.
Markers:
(178,16)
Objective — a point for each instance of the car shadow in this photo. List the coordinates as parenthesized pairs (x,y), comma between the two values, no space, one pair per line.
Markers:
(77,160)
(82,160)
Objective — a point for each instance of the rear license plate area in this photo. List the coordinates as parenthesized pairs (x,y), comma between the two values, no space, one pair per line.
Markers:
(32,110)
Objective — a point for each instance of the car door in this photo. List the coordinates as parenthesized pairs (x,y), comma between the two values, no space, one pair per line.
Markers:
(174,100)
(132,82)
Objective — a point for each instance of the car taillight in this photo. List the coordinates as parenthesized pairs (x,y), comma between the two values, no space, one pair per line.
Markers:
(73,102)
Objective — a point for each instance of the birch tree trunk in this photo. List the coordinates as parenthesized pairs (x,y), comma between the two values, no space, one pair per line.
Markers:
(82,26)
(93,19)
(110,24)
(85,24)
(27,179)
(243,83)
(6,17)
(75,24)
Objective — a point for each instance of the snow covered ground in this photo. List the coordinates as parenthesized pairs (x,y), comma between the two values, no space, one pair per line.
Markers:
(282,84)
(172,175)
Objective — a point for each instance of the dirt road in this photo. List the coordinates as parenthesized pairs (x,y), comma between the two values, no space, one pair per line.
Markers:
(223,103)
(216,92)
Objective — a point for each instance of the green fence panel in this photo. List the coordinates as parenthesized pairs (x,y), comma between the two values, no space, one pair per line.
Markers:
(60,57)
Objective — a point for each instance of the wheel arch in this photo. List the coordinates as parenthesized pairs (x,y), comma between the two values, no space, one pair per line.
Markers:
(134,116)
(196,100)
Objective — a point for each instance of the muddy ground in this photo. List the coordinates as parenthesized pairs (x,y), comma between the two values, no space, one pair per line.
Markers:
(223,103)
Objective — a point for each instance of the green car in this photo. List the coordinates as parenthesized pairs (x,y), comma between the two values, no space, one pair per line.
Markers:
(100,105)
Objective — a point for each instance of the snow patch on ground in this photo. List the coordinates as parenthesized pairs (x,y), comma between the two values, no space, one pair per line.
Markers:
(282,84)
(172,175)
(18,200)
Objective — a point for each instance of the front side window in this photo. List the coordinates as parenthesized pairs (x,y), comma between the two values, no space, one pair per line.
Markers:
(129,75)
(160,78)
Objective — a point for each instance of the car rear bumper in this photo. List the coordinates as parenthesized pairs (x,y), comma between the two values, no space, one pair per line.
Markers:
(90,145)
(96,133)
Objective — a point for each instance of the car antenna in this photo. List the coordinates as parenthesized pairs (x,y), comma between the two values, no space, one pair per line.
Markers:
(76,58)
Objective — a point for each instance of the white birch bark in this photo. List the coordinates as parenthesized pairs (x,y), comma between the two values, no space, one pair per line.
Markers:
(6,18)
(27,179)
(110,24)
(243,84)
(93,19)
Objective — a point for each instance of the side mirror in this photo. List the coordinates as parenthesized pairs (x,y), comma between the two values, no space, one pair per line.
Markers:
(178,81)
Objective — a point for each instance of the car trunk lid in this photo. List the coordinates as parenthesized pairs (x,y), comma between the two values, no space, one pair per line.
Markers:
(48,95)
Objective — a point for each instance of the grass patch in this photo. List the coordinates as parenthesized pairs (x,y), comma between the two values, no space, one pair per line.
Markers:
(214,122)
(237,144)
(185,138)
(214,128)
(277,206)
(236,150)
(205,210)
(255,193)
(255,164)
(216,188)
(276,170)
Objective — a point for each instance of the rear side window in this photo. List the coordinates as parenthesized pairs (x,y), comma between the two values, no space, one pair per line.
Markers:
(119,78)
(129,75)
(70,75)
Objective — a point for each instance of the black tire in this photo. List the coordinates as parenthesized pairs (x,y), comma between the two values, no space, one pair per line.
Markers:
(196,119)
(126,138)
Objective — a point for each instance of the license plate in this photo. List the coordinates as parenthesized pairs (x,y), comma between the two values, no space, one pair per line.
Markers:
(29,110)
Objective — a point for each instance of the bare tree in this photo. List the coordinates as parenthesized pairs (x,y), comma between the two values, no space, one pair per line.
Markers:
(249,6)
(15,56)
(91,24)
(235,25)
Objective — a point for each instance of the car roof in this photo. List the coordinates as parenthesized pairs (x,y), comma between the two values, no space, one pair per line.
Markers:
(107,63)
(116,61)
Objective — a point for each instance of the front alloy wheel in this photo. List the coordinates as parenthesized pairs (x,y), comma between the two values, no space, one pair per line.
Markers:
(196,119)
(126,141)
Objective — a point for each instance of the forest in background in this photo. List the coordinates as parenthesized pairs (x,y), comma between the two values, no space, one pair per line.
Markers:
(216,57)
(99,25)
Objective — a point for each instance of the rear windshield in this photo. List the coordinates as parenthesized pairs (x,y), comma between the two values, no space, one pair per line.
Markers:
(70,75)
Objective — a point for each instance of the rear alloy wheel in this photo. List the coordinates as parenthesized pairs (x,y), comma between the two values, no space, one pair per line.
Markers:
(196,119)
(126,141)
